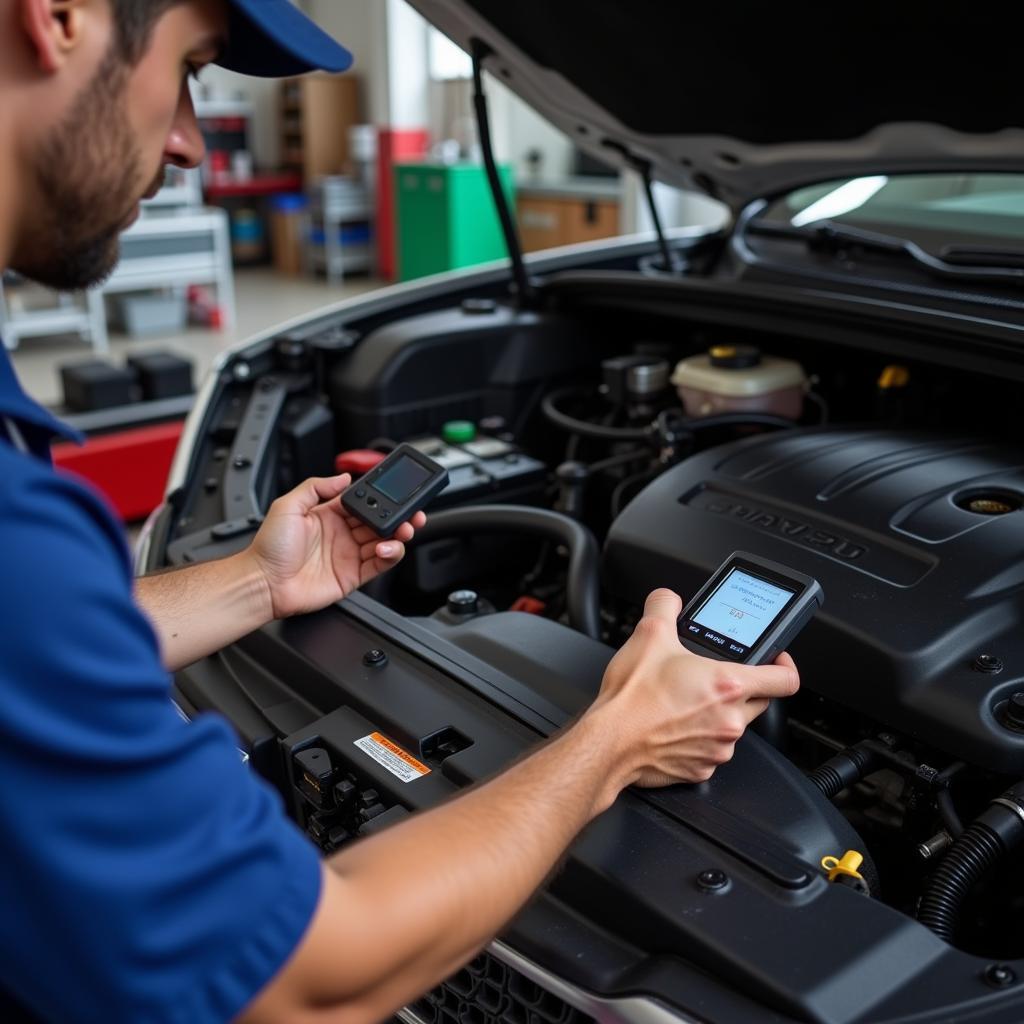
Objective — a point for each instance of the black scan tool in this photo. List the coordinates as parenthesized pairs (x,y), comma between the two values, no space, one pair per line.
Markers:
(395,490)
(749,610)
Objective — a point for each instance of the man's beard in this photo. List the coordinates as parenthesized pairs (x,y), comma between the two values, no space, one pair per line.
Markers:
(88,174)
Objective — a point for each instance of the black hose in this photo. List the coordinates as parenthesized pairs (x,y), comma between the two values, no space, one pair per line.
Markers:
(844,769)
(977,849)
(947,811)
(650,433)
(772,725)
(999,829)
(583,585)
(585,428)
(625,484)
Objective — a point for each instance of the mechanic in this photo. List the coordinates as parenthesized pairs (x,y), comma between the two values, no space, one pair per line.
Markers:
(149,875)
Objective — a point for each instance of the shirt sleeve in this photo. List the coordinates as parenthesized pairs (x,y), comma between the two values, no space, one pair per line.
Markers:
(148,875)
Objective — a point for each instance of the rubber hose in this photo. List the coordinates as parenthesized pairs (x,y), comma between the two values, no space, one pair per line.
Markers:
(650,433)
(947,811)
(977,849)
(843,769)
(771,725)
(583,427)
(583,585)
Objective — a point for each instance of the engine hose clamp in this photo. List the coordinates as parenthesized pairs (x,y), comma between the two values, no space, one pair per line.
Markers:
(1011,805)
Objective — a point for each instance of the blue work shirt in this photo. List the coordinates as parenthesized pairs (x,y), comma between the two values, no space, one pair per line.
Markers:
(146,874)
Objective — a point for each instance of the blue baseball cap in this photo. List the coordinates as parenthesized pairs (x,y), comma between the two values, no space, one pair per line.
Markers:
(274,39)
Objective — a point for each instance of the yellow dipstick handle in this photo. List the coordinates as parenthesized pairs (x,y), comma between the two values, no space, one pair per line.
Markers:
(845,865)
(894,376)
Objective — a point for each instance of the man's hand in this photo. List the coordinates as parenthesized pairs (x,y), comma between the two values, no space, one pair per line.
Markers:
(679,715)
(663,715)
(311,554)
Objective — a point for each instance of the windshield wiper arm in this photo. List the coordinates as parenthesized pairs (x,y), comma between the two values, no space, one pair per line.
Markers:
(956,264)
(982,255)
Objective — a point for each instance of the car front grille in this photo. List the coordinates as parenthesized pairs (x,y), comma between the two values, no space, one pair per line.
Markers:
(489,992)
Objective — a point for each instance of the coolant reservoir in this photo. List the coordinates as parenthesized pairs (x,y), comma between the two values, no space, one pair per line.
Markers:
(738,378)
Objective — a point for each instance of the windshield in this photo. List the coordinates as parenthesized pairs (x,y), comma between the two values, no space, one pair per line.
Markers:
(933,210)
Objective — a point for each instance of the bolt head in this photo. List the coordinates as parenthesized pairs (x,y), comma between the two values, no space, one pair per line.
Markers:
(987,663)
(1000,975)
(712,880)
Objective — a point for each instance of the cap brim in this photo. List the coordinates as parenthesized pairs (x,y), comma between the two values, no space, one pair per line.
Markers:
(274,39)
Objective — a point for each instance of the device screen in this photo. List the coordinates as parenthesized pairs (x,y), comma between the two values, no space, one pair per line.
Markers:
(402,480)
(742,607)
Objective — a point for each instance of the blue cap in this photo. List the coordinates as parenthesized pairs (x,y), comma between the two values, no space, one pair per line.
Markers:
(274,39)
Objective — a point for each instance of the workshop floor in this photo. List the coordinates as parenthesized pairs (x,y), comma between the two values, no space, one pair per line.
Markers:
(263,299)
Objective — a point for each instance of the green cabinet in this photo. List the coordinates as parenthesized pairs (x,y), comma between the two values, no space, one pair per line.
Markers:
(446,217)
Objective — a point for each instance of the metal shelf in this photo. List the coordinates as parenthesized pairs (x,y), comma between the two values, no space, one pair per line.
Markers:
(335,201)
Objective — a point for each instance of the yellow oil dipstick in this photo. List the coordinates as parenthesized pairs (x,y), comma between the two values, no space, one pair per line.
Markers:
(894,376)
(845,865)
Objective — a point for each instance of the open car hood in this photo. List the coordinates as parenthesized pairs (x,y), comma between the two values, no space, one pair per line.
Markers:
(746,100)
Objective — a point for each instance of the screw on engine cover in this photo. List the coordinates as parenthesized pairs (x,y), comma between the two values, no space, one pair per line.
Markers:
(987,663)
(241,462)
(712,880)
(999,975)
(375,657)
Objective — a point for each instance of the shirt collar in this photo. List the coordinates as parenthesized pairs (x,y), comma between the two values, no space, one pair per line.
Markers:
(27,412)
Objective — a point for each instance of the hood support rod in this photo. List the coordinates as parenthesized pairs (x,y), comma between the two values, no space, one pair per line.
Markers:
(479,50)
(644,168)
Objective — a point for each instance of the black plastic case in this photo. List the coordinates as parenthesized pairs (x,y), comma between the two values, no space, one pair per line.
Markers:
(775,636)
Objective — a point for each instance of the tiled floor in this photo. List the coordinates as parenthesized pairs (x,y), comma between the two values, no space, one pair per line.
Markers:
(263,298)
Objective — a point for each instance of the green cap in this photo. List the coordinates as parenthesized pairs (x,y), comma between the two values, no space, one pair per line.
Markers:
(458,432)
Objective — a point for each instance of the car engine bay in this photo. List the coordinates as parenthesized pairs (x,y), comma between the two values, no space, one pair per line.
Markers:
(598,450)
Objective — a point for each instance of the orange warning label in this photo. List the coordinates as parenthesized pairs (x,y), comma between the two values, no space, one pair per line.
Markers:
(397,761)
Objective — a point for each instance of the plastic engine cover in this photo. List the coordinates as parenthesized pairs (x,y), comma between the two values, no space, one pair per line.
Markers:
(758,806)
(917,540)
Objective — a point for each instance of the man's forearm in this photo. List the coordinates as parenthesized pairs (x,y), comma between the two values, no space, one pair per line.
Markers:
(202,608)
(404,909)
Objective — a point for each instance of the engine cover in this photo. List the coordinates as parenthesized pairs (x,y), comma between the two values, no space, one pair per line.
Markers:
(917,540)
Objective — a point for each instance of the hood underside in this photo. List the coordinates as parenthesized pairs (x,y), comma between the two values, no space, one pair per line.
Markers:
(745,100)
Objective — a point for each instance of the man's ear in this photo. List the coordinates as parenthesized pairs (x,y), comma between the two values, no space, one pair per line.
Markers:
(54,28)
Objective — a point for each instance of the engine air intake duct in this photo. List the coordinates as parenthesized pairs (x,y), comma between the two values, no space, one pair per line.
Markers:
(996,832)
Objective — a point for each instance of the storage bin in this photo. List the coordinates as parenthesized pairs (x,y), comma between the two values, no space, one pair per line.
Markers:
(149,314)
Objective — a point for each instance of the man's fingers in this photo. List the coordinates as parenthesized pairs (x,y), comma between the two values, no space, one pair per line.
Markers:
(663,604)
(778,680)
(389,551)
(317,490)
(786,660)
(366,537)
(376,548)
(404,532)
(754,707)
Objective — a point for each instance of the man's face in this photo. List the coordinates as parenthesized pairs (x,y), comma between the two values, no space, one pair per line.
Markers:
(110,148)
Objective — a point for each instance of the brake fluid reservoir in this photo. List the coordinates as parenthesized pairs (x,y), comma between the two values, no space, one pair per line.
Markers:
(738,378)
